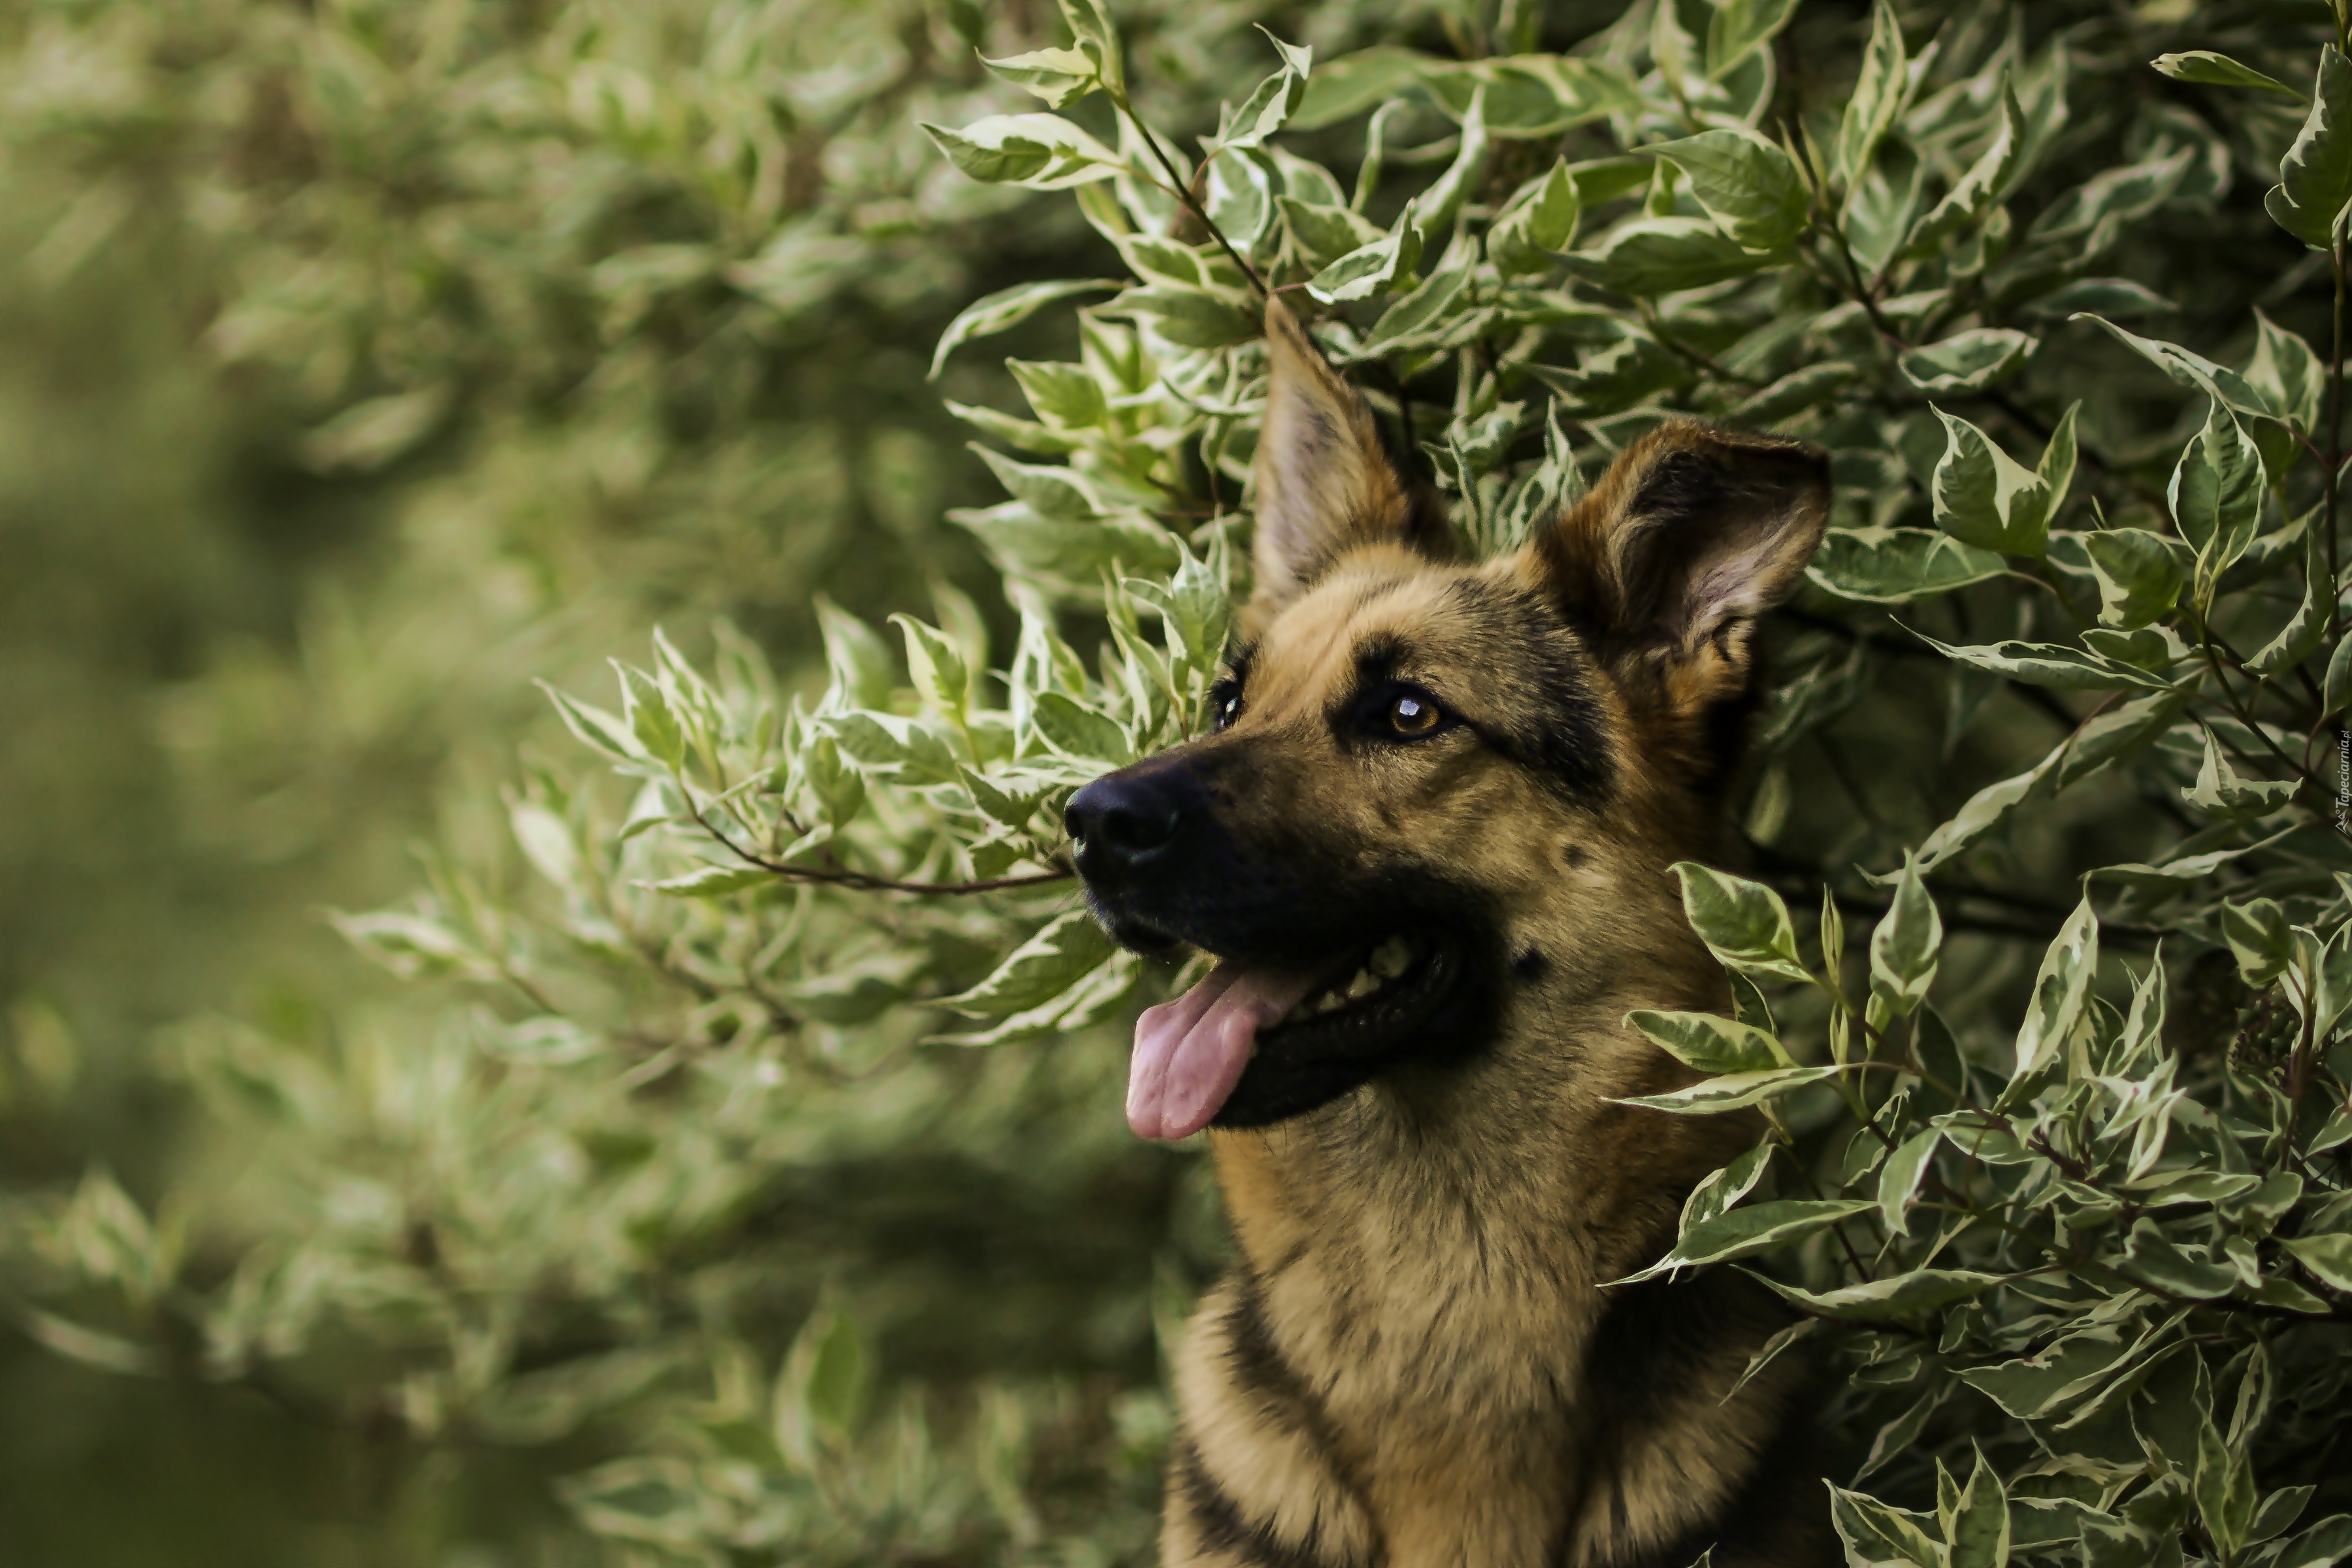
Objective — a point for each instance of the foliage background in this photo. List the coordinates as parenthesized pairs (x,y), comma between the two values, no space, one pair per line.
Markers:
(366,361)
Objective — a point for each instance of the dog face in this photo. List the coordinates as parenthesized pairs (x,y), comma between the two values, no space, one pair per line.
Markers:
(1434,786)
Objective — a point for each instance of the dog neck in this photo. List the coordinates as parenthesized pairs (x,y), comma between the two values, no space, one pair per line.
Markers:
(1425,1283)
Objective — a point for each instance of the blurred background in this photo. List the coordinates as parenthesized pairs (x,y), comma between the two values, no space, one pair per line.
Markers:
(361,361)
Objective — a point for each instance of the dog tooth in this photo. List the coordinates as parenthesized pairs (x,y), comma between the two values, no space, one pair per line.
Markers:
(1391,958)
(1330,1002)
(1362,985)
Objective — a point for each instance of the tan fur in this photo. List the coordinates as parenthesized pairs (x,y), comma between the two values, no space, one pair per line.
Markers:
(1399,1374)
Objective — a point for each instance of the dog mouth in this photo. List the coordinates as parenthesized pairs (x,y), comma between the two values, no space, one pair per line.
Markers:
(1255,1042)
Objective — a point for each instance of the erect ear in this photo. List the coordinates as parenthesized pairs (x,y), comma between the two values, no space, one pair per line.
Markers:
(1693,533)
(1323,485)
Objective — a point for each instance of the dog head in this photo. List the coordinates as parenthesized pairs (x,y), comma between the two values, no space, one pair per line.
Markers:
(1436,788)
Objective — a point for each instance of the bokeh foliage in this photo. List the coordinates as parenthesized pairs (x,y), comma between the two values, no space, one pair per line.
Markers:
(746,1181)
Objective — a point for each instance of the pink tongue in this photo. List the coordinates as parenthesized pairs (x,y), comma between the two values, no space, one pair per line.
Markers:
(1190,1053)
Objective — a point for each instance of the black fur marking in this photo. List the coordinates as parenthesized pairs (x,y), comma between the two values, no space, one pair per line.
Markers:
(1548,720)
(1220,1522)
(1531,965)
(1257,1364)
(1654,1339)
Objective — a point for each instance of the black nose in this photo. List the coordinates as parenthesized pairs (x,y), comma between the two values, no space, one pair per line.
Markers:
(1122,821)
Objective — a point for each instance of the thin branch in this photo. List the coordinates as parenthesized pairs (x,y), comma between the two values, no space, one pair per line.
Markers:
(840,876)
(1182,189)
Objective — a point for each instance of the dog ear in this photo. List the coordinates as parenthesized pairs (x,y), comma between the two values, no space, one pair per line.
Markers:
(1323,485)
(1693,533)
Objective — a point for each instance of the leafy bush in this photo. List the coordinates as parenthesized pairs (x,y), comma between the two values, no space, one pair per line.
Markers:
(2070,674)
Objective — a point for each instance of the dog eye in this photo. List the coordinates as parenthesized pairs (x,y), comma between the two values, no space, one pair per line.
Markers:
(1413,715)
(1224,705)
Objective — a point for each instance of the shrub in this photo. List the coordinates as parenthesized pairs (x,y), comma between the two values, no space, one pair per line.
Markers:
(2069,676)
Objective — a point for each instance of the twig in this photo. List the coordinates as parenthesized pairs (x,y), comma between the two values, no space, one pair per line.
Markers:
(1183,191)
(840,876)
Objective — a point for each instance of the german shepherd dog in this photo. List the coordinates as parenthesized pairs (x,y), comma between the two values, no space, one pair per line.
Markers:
(1427,844)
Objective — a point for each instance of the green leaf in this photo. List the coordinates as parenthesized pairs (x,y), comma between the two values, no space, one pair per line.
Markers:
(2060,989)
(1904,947)
(1967,361)
(1440,203)
(1040,151)
(1876,1533)
(1891,1299)
(1896,565)
(821,1388)
(1986,498)
(893,746)
(1979,1531)
(2307,627)
(1352,83)
(1977,190)
(1710,1044)
(2049,664)
(2315,175)
(1241,197)
(1618,375)
(2328,1256)
(1878,93)
(1323,233)
(2217,70)
(2153,1260)
(1066,395)
(1060,77)
(2287,373)
(2190,369)
(714,881)
(1746,183)
(1071,947)
(2336,691)
(1007,309)
(1664,254)
(1740,27)
(1421,315)
(1271,103)
(2117,734)
(1189,318)
(1794,393)
(2216,496)
(2030,1385)
(1743,923)
(1899,1177)
(2140,574)
(2220,789)
(1745,1232)
(1372,269)
(658,1501)
(937,665)
(2224,1488)
(1533,96)
(1080,731)
(1721,1189)
(592,726)
(2323,1545)
(2257,933)
(1732,1092)
(1070,557)
(1984,811)
(1539,221)
(650,717)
